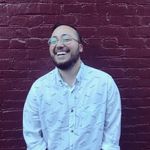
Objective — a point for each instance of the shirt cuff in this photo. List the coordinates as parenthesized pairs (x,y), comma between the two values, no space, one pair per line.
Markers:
(110,147)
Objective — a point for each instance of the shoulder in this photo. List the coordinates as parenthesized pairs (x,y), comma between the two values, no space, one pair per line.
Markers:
(44,80)
(99,77)
(97,73)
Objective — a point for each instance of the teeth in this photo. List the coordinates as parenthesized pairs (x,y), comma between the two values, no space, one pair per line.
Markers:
(61,53)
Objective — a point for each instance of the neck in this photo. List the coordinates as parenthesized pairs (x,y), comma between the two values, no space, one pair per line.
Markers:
(69,76)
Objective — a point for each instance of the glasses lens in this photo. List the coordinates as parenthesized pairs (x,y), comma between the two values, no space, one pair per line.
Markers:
(66,39)
(53,41)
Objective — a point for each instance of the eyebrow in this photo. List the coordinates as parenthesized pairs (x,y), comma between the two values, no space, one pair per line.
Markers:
(68,35)
(62,35)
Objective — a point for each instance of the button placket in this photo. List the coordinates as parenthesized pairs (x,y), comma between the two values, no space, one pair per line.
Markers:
(71,102)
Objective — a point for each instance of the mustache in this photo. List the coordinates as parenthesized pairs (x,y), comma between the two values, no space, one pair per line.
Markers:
(61,49)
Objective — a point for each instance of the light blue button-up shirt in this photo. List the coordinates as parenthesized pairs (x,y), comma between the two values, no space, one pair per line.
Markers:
(83,117)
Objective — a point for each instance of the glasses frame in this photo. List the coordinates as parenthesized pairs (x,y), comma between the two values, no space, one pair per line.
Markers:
(61,40)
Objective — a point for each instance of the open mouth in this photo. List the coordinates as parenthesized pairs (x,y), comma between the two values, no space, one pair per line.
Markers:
(61,53)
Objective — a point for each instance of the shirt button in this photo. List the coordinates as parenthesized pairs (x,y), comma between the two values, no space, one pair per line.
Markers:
(71,110)
(72,131)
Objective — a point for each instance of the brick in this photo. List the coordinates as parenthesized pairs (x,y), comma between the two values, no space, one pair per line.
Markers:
(35,43)
(83,20)
(110,43)
(20,65)
(112,32)
(34,74)
(136,102)
(7,33)
(87,1)
(143,10)
(15,84)
(131,82)
(123,1)
(11,115)
(145,20)
(18,54)
(5,64)
(12,134)
(20,84)
(142,127)
(137,52)
(8,144)
(129,137)
(142,73)
(15,95)
(13,73)
(141,2)
(33,8)
(7,125)
(64,1)
(38,65)
(115,72)
(110,52)
(130,62)
(4,43)
(116,9)
(139,32)
(79,8)
(87,32)
(148,43)
(40,32)
(135,93)
(131,42)
(4,84)
(124,21)
(64,19)
(15,2)
(142,120)
(4,20)
(17,43)
(35,54)
(143,113)
(129,145)
(146,136)
(26,21)
(3,10)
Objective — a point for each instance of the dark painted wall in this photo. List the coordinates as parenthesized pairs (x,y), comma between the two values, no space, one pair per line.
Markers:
(117,33)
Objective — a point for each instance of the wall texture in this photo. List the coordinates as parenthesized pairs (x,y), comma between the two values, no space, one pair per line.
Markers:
(117,35)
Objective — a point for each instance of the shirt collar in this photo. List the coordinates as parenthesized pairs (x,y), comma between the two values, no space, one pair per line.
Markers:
(79,77)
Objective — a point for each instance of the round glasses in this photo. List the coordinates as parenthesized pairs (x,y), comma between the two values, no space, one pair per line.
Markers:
(65,39)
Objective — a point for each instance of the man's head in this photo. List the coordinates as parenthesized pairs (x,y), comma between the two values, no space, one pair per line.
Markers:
(65,46)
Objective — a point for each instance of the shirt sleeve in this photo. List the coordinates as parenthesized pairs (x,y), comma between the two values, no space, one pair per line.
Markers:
(31,123)
(112,119)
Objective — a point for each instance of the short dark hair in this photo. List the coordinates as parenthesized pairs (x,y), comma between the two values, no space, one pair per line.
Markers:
(61,24)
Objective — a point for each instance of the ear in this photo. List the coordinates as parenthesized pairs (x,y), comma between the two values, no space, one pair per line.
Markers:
(80,48)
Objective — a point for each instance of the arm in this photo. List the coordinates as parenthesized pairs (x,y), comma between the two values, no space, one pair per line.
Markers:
(112,118)
(31,122)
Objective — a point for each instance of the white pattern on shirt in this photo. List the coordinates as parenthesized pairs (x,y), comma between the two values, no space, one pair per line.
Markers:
(83,117)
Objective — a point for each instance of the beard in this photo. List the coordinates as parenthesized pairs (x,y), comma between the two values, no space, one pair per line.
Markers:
(66,65)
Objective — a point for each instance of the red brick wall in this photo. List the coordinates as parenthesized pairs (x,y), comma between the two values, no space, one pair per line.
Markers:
(117,33)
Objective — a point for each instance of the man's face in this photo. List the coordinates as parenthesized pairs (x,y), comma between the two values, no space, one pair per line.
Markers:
(65,47)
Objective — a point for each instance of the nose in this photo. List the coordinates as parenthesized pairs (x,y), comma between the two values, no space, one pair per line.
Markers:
(59,44)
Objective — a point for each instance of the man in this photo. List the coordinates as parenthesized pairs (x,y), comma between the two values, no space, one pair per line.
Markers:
(73,107)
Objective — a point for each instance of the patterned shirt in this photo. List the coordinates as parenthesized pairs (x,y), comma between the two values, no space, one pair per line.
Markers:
(85,116)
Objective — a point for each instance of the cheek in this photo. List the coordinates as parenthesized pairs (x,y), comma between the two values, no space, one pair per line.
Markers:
(51,49)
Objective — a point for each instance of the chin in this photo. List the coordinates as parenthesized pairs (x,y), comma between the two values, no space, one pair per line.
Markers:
(64,66)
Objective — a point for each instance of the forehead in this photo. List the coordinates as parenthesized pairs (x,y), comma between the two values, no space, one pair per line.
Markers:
(63,29)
